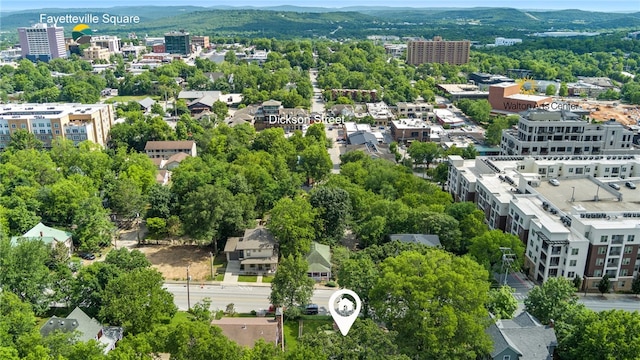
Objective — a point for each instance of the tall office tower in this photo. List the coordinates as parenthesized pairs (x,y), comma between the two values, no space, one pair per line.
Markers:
(42,42)
(438,51)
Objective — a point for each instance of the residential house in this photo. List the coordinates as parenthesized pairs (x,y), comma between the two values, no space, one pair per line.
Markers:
(246,331)
(203,104)
(167,155)
(256,251)
(190,96)
(319,259)
(344,110)
(429,240)
(48,235)
(146,104)
(87,329)
(166,149)
(522,338)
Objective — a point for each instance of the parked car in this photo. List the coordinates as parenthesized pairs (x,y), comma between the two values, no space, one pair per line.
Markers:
(311,309)
(554,182)
(88,256)
(614,186)
(630,185)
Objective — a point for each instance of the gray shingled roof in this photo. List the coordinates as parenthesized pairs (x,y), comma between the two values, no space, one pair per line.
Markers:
(429,240)
(524,335)
(362,137)
(87,327)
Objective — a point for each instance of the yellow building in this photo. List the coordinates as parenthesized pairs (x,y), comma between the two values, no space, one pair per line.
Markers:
(96,53)
(76,122)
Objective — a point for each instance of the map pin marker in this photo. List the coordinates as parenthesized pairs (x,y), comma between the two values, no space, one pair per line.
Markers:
(343,310)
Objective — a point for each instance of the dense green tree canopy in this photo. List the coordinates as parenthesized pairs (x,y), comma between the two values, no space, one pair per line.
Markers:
(446,292)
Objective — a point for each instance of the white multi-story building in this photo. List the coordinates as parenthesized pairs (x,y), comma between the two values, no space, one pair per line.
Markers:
(546,132)
(500,41)
(76,122)
(411,110)
(112,43)
(585,225)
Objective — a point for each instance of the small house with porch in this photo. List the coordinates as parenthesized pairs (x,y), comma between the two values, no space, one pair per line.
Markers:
(256,251)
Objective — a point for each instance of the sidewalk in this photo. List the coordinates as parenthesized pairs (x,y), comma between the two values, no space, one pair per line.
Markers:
(231,273)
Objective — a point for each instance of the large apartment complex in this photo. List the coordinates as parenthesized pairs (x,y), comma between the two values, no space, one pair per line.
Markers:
(76,122)
(544,132)
(438,51)
(42,42)
(585,224)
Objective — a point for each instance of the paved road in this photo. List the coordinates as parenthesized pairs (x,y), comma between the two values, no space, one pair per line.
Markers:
(317,106)
(245,298)
(599,303)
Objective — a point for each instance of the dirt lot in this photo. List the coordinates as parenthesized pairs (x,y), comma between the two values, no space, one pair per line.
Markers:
(624,114)
(172,261)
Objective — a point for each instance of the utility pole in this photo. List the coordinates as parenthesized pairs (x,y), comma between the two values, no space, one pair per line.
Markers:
(188,283)
(508,257)
(211,255)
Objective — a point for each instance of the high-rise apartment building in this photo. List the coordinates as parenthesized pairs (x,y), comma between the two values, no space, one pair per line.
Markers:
(177,42)
(438,51)
(42,42)
(76,122)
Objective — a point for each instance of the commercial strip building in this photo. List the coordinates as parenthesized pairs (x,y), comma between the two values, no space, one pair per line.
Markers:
(438,51)
(463,91)
(546,132)
(587,225)
(76,122)
(408,130)
(42,42)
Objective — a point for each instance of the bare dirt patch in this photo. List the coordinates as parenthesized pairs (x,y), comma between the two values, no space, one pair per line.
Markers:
(172,261)
(624,114)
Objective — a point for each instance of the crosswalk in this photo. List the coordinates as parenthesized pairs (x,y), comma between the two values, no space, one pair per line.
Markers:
(520,296)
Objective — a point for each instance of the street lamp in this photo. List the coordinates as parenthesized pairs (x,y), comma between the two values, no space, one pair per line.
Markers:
(188,283)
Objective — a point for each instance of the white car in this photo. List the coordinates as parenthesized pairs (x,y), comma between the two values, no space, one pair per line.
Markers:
(554,182)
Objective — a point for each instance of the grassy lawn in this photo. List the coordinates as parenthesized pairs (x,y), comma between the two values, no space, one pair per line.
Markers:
(247,278)
(219,277)
(310,325)
(219,261)
(314,326)
(126,98)
(180,317)
(267,279)
(291,334)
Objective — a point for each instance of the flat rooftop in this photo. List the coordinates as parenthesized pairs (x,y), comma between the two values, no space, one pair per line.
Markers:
(585,192)
(528,97)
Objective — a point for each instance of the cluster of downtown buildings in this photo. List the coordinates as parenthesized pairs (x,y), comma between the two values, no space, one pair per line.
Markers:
(586,221)
(44,42)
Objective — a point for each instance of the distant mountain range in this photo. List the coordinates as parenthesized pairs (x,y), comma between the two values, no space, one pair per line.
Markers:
(295,21)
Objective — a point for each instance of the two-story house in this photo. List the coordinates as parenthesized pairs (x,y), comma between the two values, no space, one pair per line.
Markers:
(256,251)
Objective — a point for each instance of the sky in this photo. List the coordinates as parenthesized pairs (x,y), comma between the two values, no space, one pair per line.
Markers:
(589,5)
